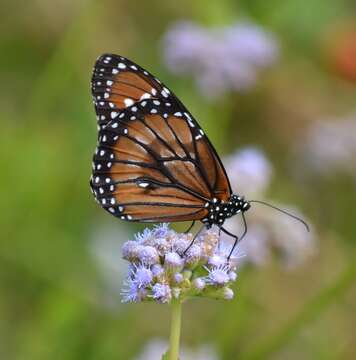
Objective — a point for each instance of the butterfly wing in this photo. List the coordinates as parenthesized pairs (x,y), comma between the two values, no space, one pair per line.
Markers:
(153,161)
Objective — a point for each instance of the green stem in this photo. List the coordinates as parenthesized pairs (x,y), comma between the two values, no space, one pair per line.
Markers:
(175,330)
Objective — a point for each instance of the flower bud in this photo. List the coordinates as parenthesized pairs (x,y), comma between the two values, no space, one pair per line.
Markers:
(176,292)
(162,245)
(178,278)
(232,275)
(148,255)
(228,294)
(192,255)
(157,270)
(187,274)
(198,284)
(130,250)
(161,230)
(180,245)
(173,262)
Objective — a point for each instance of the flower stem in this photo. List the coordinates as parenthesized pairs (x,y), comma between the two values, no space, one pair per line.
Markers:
(175,330)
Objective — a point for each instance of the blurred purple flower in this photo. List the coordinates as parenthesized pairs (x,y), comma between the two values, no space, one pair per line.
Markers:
(219,59)
(330,146)
(249,170)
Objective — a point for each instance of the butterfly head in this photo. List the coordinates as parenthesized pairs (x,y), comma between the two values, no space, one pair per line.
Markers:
(239,204)
(219,211)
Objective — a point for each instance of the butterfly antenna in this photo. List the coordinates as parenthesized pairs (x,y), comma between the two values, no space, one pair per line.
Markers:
(282,211)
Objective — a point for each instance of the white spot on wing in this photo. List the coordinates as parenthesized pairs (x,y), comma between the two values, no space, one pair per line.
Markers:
(128,102)
(145,96)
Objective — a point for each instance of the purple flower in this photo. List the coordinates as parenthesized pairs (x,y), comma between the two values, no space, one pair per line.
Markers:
(173,261)
(161,230)
(250,170)
(192,255)
(143,237)
(218,275)
(142,276)
(148,255)
(131,292)
(130,250)
(180,245)
(157,270)
(329,146)
(219,59)
(199,284)
(178,278)
(217,260)
(162,293)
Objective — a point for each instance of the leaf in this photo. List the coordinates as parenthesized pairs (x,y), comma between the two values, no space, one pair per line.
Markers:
(165,356)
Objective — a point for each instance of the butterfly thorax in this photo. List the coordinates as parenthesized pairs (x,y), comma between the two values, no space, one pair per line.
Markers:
(219,210)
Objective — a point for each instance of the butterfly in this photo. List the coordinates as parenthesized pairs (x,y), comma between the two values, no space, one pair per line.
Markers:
(153,162)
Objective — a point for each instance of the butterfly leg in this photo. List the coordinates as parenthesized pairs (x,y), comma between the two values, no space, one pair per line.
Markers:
(237,239)
(192,242)
(190,227)
(219,242)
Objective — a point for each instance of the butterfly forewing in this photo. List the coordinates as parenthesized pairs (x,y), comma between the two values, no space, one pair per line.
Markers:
(118,83)
(153,162)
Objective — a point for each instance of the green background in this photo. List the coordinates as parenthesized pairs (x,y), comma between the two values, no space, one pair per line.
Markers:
(54,303)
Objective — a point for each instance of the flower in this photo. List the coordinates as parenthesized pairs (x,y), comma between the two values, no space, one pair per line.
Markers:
(142,237)
(162,293)
(161,230)
(142,276)
(218,275)
(250,170)
(219,59)
(329,146)
(148,255)
(176,271)
(199,284)
(132,292)
(228,293)
(173,261)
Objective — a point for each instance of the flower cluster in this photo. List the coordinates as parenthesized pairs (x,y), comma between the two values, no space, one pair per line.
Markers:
(165,266)
(220,59)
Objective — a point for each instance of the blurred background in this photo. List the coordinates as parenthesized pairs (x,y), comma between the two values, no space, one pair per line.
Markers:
(274,86)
